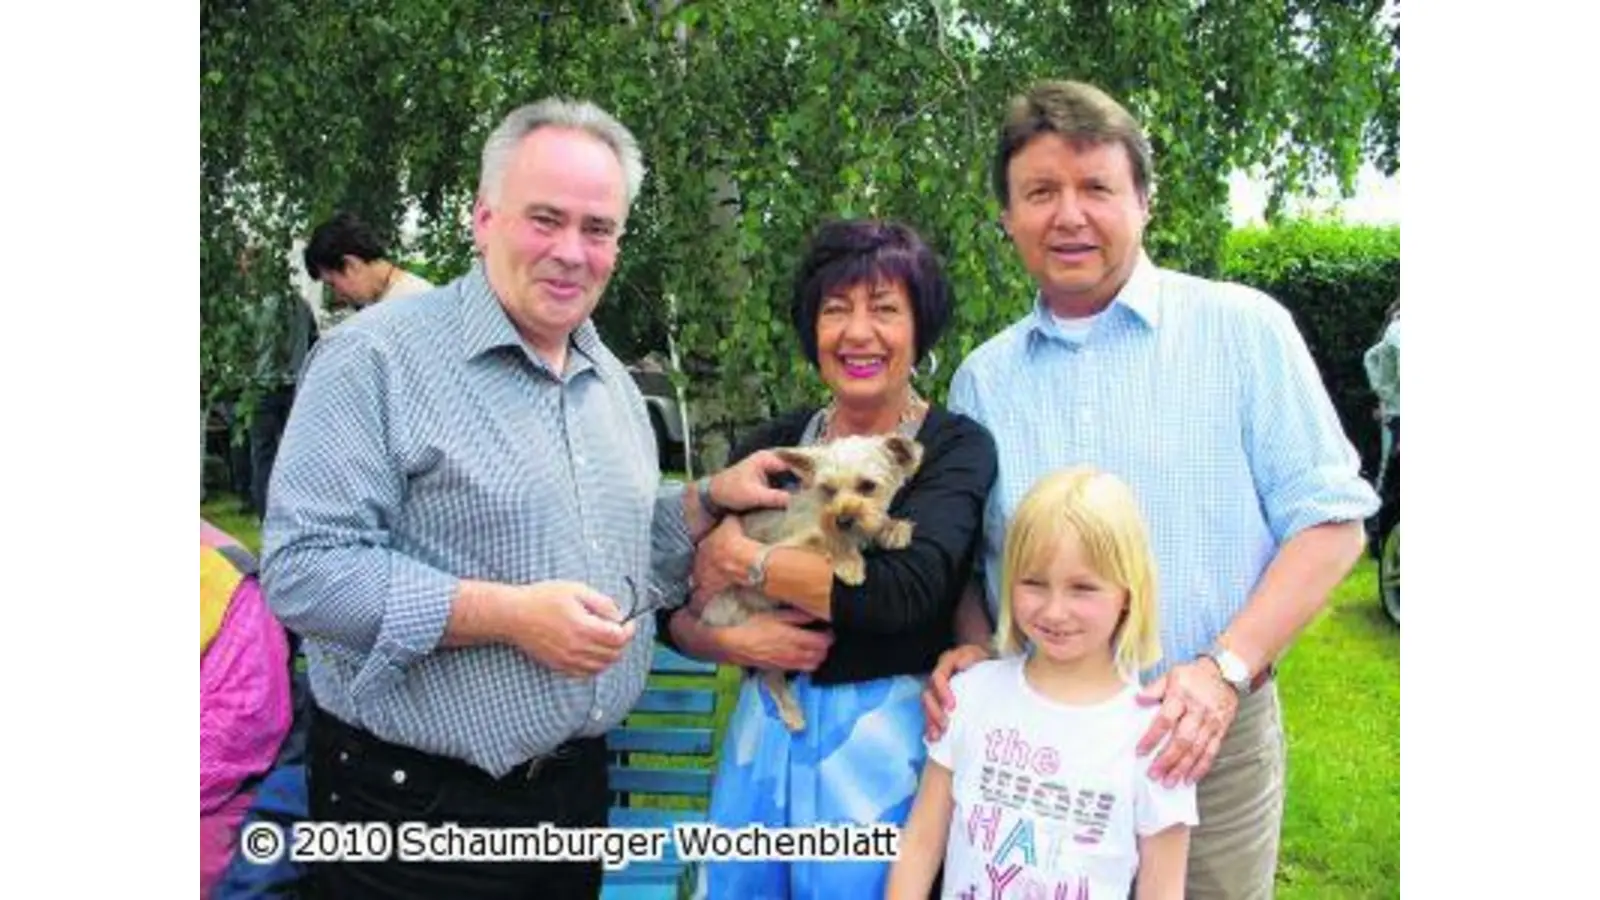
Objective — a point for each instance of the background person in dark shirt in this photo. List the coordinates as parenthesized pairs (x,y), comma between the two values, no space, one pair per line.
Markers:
(869,301)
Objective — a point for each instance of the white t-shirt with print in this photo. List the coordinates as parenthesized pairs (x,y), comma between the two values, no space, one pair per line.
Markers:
(1050,799)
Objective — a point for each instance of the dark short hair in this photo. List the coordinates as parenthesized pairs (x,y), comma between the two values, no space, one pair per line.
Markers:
(1080,113)
(341,236)
(849,252)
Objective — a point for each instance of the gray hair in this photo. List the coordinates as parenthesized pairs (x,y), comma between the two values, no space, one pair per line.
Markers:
(560,113)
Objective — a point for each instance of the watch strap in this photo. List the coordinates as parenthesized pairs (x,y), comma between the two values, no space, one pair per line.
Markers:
(710,506)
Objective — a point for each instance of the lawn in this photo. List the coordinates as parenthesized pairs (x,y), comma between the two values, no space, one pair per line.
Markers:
(1341,695)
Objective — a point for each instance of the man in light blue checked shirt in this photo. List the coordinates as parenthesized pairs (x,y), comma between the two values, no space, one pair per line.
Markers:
(1204,398)
(465,499)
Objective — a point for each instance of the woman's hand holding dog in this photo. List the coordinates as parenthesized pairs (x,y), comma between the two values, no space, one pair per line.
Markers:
(721,561)
(776,640)
(766,640)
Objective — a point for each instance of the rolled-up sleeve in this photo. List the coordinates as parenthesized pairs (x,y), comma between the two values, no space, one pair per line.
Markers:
(329,566)
(1305,469)
(671,549)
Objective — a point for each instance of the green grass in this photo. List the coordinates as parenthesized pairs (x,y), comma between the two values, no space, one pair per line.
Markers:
(1340,687)
(227,513)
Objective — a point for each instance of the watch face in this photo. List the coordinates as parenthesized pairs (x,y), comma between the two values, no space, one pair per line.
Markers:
(1233,668)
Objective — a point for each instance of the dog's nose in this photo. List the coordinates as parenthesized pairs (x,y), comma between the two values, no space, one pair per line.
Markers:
(845,521)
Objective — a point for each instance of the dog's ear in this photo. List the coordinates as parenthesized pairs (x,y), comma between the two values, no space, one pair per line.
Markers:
(799,460)
(904,452)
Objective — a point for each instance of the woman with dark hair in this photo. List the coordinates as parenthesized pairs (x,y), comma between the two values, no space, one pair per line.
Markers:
(869,302)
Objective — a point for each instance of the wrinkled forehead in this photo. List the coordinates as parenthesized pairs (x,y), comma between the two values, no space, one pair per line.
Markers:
(569,170)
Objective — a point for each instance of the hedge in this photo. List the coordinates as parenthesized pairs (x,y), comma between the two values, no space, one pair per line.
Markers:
(1337,281)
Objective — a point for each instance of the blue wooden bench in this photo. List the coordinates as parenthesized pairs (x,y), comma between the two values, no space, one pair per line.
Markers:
(632,781)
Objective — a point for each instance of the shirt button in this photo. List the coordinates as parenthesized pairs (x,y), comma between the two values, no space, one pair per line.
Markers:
(597,715)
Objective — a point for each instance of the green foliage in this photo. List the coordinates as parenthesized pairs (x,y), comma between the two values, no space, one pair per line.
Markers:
(758,120)
(1338,281)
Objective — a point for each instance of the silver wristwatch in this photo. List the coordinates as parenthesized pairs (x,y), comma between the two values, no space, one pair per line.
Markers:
(1234,670)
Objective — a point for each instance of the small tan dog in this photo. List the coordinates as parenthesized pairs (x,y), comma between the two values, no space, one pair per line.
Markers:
(842,506)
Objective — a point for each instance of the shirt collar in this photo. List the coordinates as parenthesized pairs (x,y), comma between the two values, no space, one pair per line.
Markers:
(486,327)
(1140,296)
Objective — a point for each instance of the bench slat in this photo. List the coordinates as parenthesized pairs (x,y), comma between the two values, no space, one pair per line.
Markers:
(670,662)
(677,700)
(658,880)
(640,817)
(629,780)
(660,740)
(642,881)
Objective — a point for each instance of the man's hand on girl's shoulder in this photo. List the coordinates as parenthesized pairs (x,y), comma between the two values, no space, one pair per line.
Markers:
(1197,707)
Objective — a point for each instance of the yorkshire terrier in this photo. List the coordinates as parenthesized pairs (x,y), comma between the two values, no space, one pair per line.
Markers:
(841,507)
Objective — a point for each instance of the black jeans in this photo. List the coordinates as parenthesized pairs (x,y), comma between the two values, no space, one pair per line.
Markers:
(352,777)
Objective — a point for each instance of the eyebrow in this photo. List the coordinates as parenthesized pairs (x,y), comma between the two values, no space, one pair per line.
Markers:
(561,214)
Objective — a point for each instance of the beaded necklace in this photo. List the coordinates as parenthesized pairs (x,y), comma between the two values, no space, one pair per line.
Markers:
(910,418)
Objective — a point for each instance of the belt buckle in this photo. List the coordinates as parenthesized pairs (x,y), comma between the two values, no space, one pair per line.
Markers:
(559,752)
(533,766)
(531,769)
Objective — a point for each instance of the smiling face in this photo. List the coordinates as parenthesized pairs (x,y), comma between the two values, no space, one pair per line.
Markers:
(1077,220)
(866,341)
(549,239)
(1067,610)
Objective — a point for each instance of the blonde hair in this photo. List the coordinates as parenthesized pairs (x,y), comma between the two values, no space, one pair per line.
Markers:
(1100,510)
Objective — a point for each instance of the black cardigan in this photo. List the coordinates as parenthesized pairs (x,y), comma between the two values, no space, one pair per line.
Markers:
(901,618)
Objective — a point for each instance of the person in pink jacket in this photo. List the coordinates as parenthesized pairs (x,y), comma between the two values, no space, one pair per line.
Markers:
(245,706)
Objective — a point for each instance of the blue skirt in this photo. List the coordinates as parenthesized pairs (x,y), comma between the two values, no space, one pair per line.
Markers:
(858,761)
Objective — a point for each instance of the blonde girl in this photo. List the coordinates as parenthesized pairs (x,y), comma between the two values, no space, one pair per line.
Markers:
(1035,789)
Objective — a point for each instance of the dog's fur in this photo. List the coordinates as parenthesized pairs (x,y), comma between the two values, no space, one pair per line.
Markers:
(842,506)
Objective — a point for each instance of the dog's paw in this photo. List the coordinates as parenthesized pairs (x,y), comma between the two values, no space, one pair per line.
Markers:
(851,569)
(777,684)
(896,535)
(793,718)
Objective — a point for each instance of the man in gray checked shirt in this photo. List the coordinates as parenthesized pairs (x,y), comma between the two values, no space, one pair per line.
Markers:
(465,518)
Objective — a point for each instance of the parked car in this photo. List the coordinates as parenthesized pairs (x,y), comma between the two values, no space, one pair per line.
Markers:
(667,418)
